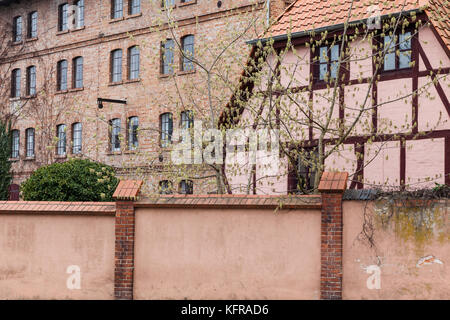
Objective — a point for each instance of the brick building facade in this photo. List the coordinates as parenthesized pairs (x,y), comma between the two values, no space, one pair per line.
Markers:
(64,55)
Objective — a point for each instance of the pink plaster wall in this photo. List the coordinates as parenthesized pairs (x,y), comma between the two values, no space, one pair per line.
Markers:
(227,254)
(397,257)
(36,250)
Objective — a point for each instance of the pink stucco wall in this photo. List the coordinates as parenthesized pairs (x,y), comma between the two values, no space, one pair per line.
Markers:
(36,250)
(397,255)
(227,254)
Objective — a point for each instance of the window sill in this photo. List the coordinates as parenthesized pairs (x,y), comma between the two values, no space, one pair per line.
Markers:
(17,43)
(136,15)
(61,91)
(118,83)
(62,32)
(76,89)
(77,29)
(31,39)
(13,99)
(114,20)
(165,75)
(61,156)
(182,73)
(114,153)
(133,80)
(29,159)
(30,96)
(168,8)
(14,159)
(130,152)
(184,4)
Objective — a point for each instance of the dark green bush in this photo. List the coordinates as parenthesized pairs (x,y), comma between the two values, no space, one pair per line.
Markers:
(74,180)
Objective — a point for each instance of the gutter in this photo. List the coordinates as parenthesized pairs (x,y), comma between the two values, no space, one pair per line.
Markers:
(300,34)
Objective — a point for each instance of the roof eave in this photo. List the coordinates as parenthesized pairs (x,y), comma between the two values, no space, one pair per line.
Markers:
(334,27)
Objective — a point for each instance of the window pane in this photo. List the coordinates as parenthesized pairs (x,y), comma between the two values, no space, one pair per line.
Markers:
(61,147)
(186,187)
(165,187)
(134,63)
(32,25)
(133,125)
(389,61)
(117,66)
(405,41)
(404,59)
(323,70)
(77,136)
(117,9)
(63,17)
(335,53)
(135,6)
(31,81)
(17,29)
(166,129)
(62,75)
(80,13)
(115,135)
(15,83)
(188,49)
(15,144)
(78,72)
(30,142)
(167,57)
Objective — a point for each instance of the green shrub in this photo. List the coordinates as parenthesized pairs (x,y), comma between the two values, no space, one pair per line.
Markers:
(74,180)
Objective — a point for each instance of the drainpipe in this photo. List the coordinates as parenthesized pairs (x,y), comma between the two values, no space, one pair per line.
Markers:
(268,12)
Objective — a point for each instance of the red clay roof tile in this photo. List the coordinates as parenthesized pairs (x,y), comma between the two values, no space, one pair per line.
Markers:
(304,16)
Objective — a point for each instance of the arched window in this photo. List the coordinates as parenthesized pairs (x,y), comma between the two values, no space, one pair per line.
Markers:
(117,9)
(186,187)
(76,137)
(17,29)
(133,63)
(167,56)
(77,67)
(80,13)
(116,65)
(133,127)
(166,127)
(62,142)
(31,80)
(187,44)
(165,187)
(61,73)
(63,17)
(134,7)
(115,134)
(32,24)
(15,83)
(15,143)
(29,136)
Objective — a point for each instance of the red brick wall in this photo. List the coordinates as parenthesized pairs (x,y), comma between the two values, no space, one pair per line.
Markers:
(124,252)
(331,246)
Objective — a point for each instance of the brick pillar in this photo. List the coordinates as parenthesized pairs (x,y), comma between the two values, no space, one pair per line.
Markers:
(332,186)
(124,252)
(124,233)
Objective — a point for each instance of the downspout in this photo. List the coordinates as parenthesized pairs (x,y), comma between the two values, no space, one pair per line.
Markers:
(268,12)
